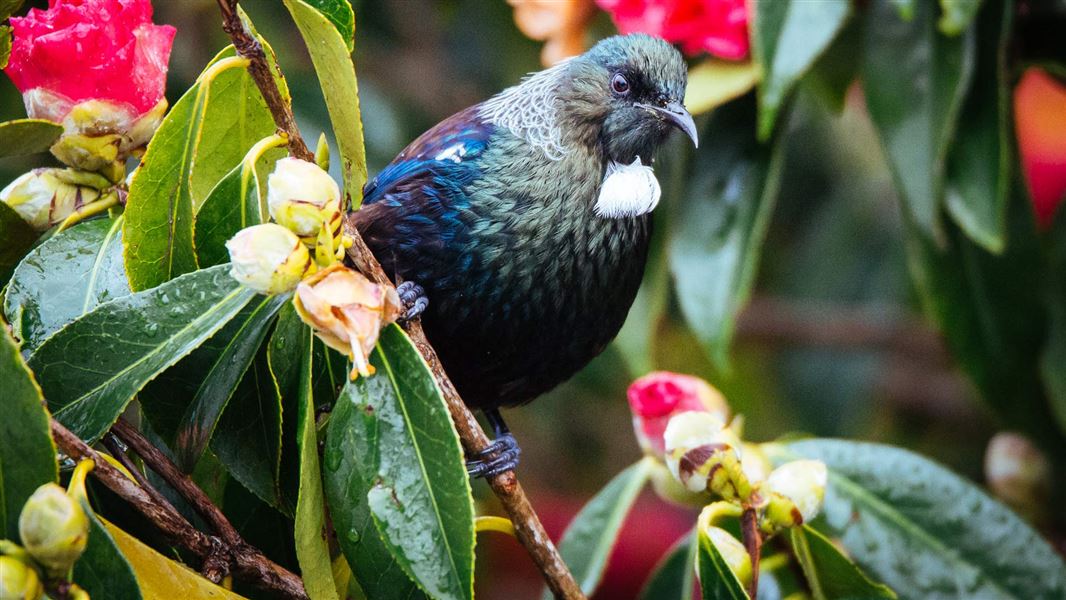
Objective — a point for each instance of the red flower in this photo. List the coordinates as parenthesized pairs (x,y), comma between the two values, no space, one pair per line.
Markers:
(80,50)
(719,27)
(1040,122)
(658,396)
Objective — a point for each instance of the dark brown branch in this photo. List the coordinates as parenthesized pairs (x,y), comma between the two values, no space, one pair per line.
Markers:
(248,563)
(749,529)
(528,527)
(249,47)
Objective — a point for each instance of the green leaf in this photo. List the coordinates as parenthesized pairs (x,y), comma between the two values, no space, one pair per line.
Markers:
(925,531)
(312,550)
(5,45)
(714,251)
(1054,354)
(915,81)
(957,15)
(283,362)
(340,13)
(331,56)
(27,136)
(102,570)
(717,580)
(9,7)
(65,277)
(674,576)
(419,497)
(789,35)
(590,537)
(829,573)
(219,383)
(90,369)
(206,133)
(831,76)
(715,82)
(904,8)
(979,162)
(352,459)
(16,239)
(27,453)
(234,203)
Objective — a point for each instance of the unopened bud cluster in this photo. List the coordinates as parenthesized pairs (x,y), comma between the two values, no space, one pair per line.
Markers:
(300,251)
(46,197)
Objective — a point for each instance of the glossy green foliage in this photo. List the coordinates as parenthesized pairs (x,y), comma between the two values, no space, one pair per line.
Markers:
(65,277)
(27,453)
(674,577)
(591,536)
(925,531)
(18,238)
(714,248)
(831,575)
(419,494)
(1053,356)
(340,13)
(102,570)
(90,369)
(27,136)
(717,581)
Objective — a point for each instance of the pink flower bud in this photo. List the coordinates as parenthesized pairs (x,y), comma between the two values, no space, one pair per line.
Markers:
(658,396)
(102,57)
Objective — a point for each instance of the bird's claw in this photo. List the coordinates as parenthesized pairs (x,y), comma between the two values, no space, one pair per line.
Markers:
(499,456)
(414,300)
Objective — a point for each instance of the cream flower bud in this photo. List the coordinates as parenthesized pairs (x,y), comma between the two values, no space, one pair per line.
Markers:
(347,312)
(793,493)
(44,197)
(268,258)
(705,455)
(302,196)
(628,190)
(18,580)
(54,529)
(1018,473)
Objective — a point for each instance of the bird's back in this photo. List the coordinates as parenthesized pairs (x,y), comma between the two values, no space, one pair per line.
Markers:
(526,284)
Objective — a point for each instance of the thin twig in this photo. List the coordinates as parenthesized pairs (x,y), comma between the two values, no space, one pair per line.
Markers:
(248,563)
(749,529)
(528,527)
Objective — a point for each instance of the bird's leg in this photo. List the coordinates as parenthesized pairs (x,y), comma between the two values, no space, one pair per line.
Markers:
(499,456)
(414,300)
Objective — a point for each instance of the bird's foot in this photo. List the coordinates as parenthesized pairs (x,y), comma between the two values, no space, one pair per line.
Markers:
(414,300)
(499,456)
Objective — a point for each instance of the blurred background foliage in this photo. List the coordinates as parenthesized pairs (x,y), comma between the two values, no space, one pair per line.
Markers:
(832,343)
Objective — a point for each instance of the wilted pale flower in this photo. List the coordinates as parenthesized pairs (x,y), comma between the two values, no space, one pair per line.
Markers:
(704,454)
(657,396)
(628,190)
(18,581)
(96,66)
(1018,472)
(54,529)
(347,312)
(44,197)
(302,197)
(793,494)
(268,258)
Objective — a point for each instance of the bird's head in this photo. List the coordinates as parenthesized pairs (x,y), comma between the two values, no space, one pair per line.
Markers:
(630,89)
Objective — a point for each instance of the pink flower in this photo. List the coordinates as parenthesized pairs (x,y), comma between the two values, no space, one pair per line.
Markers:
(1040,123)
(658,396)
(80,50)
(719,27)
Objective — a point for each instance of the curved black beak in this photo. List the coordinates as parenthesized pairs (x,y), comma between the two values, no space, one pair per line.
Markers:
(678,116)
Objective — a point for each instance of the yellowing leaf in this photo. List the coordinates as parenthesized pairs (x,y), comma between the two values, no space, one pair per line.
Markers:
(715,82)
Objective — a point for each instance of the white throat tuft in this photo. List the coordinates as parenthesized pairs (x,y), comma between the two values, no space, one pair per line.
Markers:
(528,110)
(628,190)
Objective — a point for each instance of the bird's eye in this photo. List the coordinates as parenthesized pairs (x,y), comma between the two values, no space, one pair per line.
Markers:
(619,85)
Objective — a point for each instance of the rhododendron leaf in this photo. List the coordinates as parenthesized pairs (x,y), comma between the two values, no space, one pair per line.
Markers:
(936,534)
(162,577)
(91,368)
(915,80)
(16,239)
(590,537)
(829,573)
(717,580)
(957,15)
(789,35)
(102,571)
(340,13)
(979,161)
(27,453)
(407,477)
(714,82)
(65,277)
(674,576)
(27,136)
(312,549)
(714,252)
(336,76)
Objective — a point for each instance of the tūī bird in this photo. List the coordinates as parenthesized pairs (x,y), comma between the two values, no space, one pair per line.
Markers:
(526,220)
